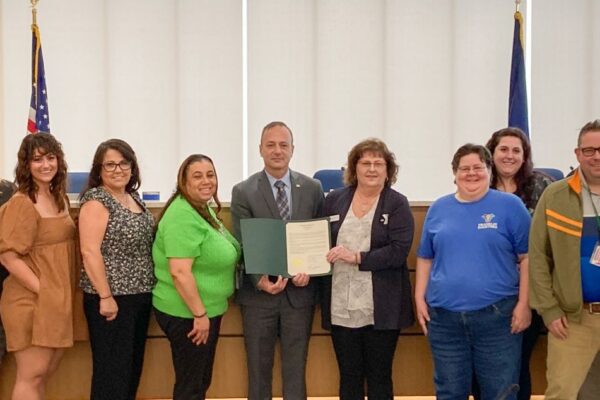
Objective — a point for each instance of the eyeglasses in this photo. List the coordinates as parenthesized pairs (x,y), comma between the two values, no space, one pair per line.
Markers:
(476,169)
(112,166)
(589,151)
(374,165)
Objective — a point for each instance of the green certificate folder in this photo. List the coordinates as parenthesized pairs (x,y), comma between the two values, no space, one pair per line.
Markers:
(286,248)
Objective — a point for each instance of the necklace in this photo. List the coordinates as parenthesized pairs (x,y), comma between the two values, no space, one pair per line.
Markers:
(364,203)
(122,198)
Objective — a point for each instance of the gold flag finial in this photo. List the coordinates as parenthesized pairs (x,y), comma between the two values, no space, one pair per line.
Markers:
(34,11)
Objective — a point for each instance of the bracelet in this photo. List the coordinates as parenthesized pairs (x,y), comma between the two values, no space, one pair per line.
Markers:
(107,297)
(200,316)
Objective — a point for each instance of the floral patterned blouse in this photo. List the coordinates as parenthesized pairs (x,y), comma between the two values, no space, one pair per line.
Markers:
(126,247)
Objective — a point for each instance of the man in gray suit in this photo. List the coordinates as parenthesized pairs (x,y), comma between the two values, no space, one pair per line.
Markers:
(273,306)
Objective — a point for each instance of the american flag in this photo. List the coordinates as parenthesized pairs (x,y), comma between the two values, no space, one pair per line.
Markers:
(39,116)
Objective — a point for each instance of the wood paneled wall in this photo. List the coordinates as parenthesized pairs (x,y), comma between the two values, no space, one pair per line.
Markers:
(413,369)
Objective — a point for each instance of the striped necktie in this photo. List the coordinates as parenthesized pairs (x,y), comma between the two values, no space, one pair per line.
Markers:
(282,201)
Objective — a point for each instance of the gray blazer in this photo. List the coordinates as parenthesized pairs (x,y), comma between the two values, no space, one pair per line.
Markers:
(253,198)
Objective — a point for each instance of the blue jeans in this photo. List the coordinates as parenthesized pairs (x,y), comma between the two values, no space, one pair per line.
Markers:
(480,342)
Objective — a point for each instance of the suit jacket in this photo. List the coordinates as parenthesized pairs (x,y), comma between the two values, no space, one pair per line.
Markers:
(391,238)
(253,198)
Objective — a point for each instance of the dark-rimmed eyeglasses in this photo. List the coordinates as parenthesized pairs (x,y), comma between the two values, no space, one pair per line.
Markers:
(589,151)
(112,166)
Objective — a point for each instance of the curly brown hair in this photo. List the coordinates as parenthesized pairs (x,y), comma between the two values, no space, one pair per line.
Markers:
(95,178)
(182,190)
(44,143)
(371,145)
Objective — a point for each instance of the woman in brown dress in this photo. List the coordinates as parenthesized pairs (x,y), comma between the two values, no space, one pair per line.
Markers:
(37,247)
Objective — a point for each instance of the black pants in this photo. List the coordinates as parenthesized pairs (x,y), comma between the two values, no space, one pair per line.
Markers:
(193,364)
(118,345)
(365,354)
(530,337)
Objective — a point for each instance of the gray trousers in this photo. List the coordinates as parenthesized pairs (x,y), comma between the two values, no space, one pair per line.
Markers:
(262,328)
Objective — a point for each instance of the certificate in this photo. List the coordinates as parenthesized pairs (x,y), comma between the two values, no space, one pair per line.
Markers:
(286,248)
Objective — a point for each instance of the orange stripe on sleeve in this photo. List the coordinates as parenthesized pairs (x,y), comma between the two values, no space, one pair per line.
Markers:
(562,218)
(563,229)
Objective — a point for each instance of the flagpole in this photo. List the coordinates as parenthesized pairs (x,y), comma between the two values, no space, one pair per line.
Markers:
(34,11)
(517,4)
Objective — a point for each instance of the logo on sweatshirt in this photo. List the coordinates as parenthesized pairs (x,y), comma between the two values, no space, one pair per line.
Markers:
(487,224)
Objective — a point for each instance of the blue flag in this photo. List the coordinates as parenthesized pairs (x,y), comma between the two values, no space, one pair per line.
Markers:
(39,116)
(517,99)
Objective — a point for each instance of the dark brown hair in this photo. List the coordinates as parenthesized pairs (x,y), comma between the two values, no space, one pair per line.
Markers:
(182,190)
(44,143)
(470,148)
(95,178)
(371,145)
(526,171)
(592,126)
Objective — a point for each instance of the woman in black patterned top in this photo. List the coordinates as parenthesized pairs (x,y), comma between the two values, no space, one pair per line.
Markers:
(116,234)
(512,172)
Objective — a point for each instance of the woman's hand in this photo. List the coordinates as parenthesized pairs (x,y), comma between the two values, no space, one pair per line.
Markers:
(422,314)
(20,270)
(521,317)
(109,308)
(341,253)
(199,332)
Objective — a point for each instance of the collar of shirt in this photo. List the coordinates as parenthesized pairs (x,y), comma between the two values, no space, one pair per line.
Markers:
(589,199)
(288,185)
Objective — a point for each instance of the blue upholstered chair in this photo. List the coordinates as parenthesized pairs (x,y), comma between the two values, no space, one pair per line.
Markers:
(76,181)
(330,179)
(556,174)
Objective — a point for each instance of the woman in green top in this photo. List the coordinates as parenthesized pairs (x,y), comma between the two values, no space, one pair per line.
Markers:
(194,257)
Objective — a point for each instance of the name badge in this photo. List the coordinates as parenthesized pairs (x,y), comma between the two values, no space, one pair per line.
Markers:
(595,257)
(334,218)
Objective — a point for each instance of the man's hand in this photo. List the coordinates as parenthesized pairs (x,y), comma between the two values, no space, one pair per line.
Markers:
(559,328)
(266,285)
(301,280)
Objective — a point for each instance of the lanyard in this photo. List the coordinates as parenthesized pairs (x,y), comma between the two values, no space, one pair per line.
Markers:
(595,210)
